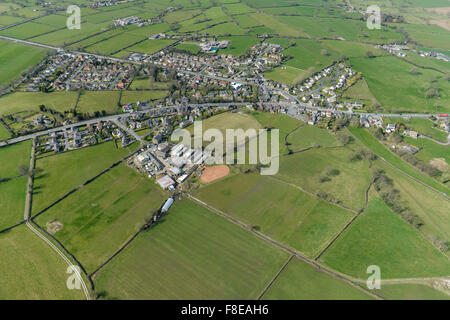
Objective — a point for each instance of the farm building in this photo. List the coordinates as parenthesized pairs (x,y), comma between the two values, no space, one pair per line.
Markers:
(165,182)
(167,205)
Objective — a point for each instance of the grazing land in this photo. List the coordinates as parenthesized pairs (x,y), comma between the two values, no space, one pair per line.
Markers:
(25,101)
(192,254)
(20,57)
(31,270)
(300,280)
(381,237)
(411,291)
(372,143)
(104,214)
(283,212)
(63,172)
(410,90)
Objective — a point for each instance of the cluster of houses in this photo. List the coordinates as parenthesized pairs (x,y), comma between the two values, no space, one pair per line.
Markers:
(107,3)
(101,74)
(122,22)
(74,137)
(395,49)
(371,121)
(68,71)
(432,54)
(399,51)
(314,92)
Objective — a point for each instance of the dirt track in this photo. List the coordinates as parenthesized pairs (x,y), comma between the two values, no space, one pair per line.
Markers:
(211,174)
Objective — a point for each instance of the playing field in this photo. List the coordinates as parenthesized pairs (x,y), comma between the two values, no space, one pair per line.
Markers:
(64,172)
(380,237)
(192,254)
(103,215)
(301,281)
(31,270)
(224,121)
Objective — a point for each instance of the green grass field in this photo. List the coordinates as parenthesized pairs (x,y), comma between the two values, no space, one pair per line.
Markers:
(306,168)
(4,133)
(429,150)
(301,281)
(134,96)
(372,143)
(25,101)
(64,172)
(12,157)
(64,36)
(428,35)
(12,201)
(19,57)
(31,270)
(224,121)
(91,101)
(397,89)
(27,30)
(189,47)
(239,45)
(150,46)
(192,254)
(287,74)
(100,217)
(431,207)
(282,212)
(360,91)
(282,122)
(411,291)
(380,237)
(307,136)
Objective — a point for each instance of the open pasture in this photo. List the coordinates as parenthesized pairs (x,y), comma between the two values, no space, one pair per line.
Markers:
(66,171)
(19,58)
(103,215)
(31,270)
(192,254)
(381,237)
(283,212)
(399,90)
(26,101)
(302,281)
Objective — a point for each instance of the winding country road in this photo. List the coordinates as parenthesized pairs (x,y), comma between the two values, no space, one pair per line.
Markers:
(29,224)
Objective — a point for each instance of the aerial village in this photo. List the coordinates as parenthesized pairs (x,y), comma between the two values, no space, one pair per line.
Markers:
(213,83)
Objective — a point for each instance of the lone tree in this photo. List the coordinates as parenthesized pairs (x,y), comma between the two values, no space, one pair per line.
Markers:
(414,71)
(22,169)
(369,54)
